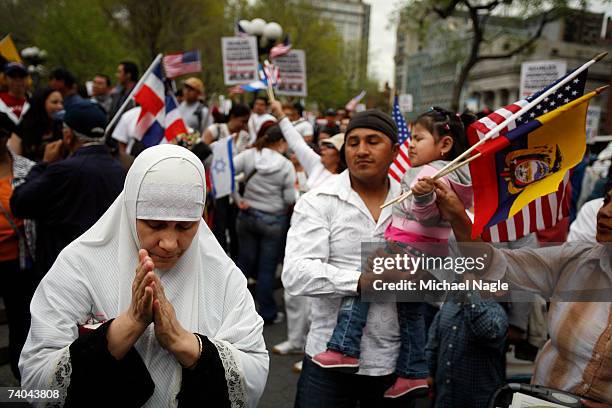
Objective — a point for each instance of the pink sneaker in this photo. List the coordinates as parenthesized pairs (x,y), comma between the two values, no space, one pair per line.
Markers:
(336,360)
(415,387)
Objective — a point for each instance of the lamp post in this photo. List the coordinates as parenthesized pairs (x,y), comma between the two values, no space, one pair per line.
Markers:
(33,57)
(267,34)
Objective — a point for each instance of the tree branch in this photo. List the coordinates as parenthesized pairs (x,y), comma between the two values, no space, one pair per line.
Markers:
(489,6)
(446,11)
(545,20)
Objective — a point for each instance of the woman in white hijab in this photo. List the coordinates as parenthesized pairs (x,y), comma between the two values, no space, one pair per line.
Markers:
(145,308)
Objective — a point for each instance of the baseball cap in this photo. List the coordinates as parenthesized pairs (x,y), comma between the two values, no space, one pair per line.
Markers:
(195,83)
(15,69)
(86,118)
(336,141)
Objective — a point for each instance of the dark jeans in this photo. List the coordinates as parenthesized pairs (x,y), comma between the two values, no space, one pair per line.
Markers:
(16,288)
(352,318)
(321,388)
(224,219)
(261,237)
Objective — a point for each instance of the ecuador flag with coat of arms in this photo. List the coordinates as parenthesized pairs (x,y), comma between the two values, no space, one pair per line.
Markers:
(526,163)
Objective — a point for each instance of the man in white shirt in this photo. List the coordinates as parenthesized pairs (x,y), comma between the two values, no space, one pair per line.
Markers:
(125,131)
(258,117)
(193,111)
(584,227)
(323,261)
(304,128)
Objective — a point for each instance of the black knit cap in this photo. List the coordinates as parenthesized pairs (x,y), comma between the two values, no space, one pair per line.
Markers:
(376,120)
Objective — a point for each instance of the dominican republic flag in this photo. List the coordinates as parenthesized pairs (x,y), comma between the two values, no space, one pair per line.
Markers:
(401,162)
(159,120)
(182,63)
(281,49)
(543,212)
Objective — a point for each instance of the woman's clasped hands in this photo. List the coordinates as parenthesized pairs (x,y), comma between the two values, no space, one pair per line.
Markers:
(150,305)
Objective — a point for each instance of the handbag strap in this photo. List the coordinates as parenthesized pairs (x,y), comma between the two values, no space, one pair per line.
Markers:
(246,180)
(9,218)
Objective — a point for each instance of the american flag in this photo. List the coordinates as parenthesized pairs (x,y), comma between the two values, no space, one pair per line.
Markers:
(352,104)
(545,211)
(401,162)
(160,120)
(270,73)
(182,63)
(239,30)
(281,49)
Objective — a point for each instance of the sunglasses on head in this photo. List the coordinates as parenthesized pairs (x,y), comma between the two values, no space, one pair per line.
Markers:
(443,114)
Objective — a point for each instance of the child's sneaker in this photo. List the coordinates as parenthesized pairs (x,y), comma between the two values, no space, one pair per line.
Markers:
(415,387)
(336,360)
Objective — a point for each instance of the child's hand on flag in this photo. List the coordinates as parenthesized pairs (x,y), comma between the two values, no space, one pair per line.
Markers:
(423,186)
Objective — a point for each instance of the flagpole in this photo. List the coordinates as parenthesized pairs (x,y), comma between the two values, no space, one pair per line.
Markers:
(134,89)
(505,123)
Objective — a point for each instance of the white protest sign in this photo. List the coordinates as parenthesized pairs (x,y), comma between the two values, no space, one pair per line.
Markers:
(405,102)
(292,67)
(240,60)
(592,123)
(536,75)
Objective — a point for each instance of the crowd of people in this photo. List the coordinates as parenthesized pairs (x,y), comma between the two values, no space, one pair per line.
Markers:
(124,266)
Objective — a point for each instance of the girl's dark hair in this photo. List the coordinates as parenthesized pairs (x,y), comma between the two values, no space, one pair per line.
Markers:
(238,111)
(441,122)
(268,134)
(35,124)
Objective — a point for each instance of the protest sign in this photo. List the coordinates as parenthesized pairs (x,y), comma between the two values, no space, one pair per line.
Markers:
(240,60)
(405,102)
(536,75)
(592,123)
(292,68)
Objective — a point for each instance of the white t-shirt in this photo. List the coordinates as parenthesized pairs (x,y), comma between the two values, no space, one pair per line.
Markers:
(125,131)
(303,127)
(195,122)
(255,122)
(584,227)
(220,130)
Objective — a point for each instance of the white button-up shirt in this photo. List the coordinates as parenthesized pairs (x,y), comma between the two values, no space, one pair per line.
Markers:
(323,260)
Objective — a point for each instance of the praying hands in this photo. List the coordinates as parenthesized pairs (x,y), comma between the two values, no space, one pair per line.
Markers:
(150,305)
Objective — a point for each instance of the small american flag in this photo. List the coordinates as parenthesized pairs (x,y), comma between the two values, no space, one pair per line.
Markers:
(182,63)
(401,162)
(545,211)
(271,73)
(281,49)
(239,30)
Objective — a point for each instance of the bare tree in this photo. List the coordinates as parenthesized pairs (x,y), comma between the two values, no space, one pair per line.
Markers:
(479,14)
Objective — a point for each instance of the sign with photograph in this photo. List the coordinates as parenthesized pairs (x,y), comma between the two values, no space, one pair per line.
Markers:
(240,60)
(292,67)
(536,75)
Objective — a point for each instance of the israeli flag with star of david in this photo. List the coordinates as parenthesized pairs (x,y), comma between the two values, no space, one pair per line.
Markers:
(222,167)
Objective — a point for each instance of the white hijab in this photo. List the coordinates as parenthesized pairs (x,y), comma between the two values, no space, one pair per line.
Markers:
(208,292)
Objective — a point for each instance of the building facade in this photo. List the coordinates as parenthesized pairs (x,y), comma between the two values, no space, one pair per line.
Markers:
(428,70)
(352,20)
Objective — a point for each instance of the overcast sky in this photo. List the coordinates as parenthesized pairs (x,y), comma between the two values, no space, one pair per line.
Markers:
(382,36)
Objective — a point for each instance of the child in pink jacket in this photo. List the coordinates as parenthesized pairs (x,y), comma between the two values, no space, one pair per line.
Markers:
(438,136)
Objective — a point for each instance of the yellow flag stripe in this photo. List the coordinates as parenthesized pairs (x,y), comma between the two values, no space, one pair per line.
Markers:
(565,128)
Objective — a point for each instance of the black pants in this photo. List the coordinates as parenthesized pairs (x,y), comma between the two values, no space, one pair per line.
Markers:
(323,388)
(224,219)
(16,288)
